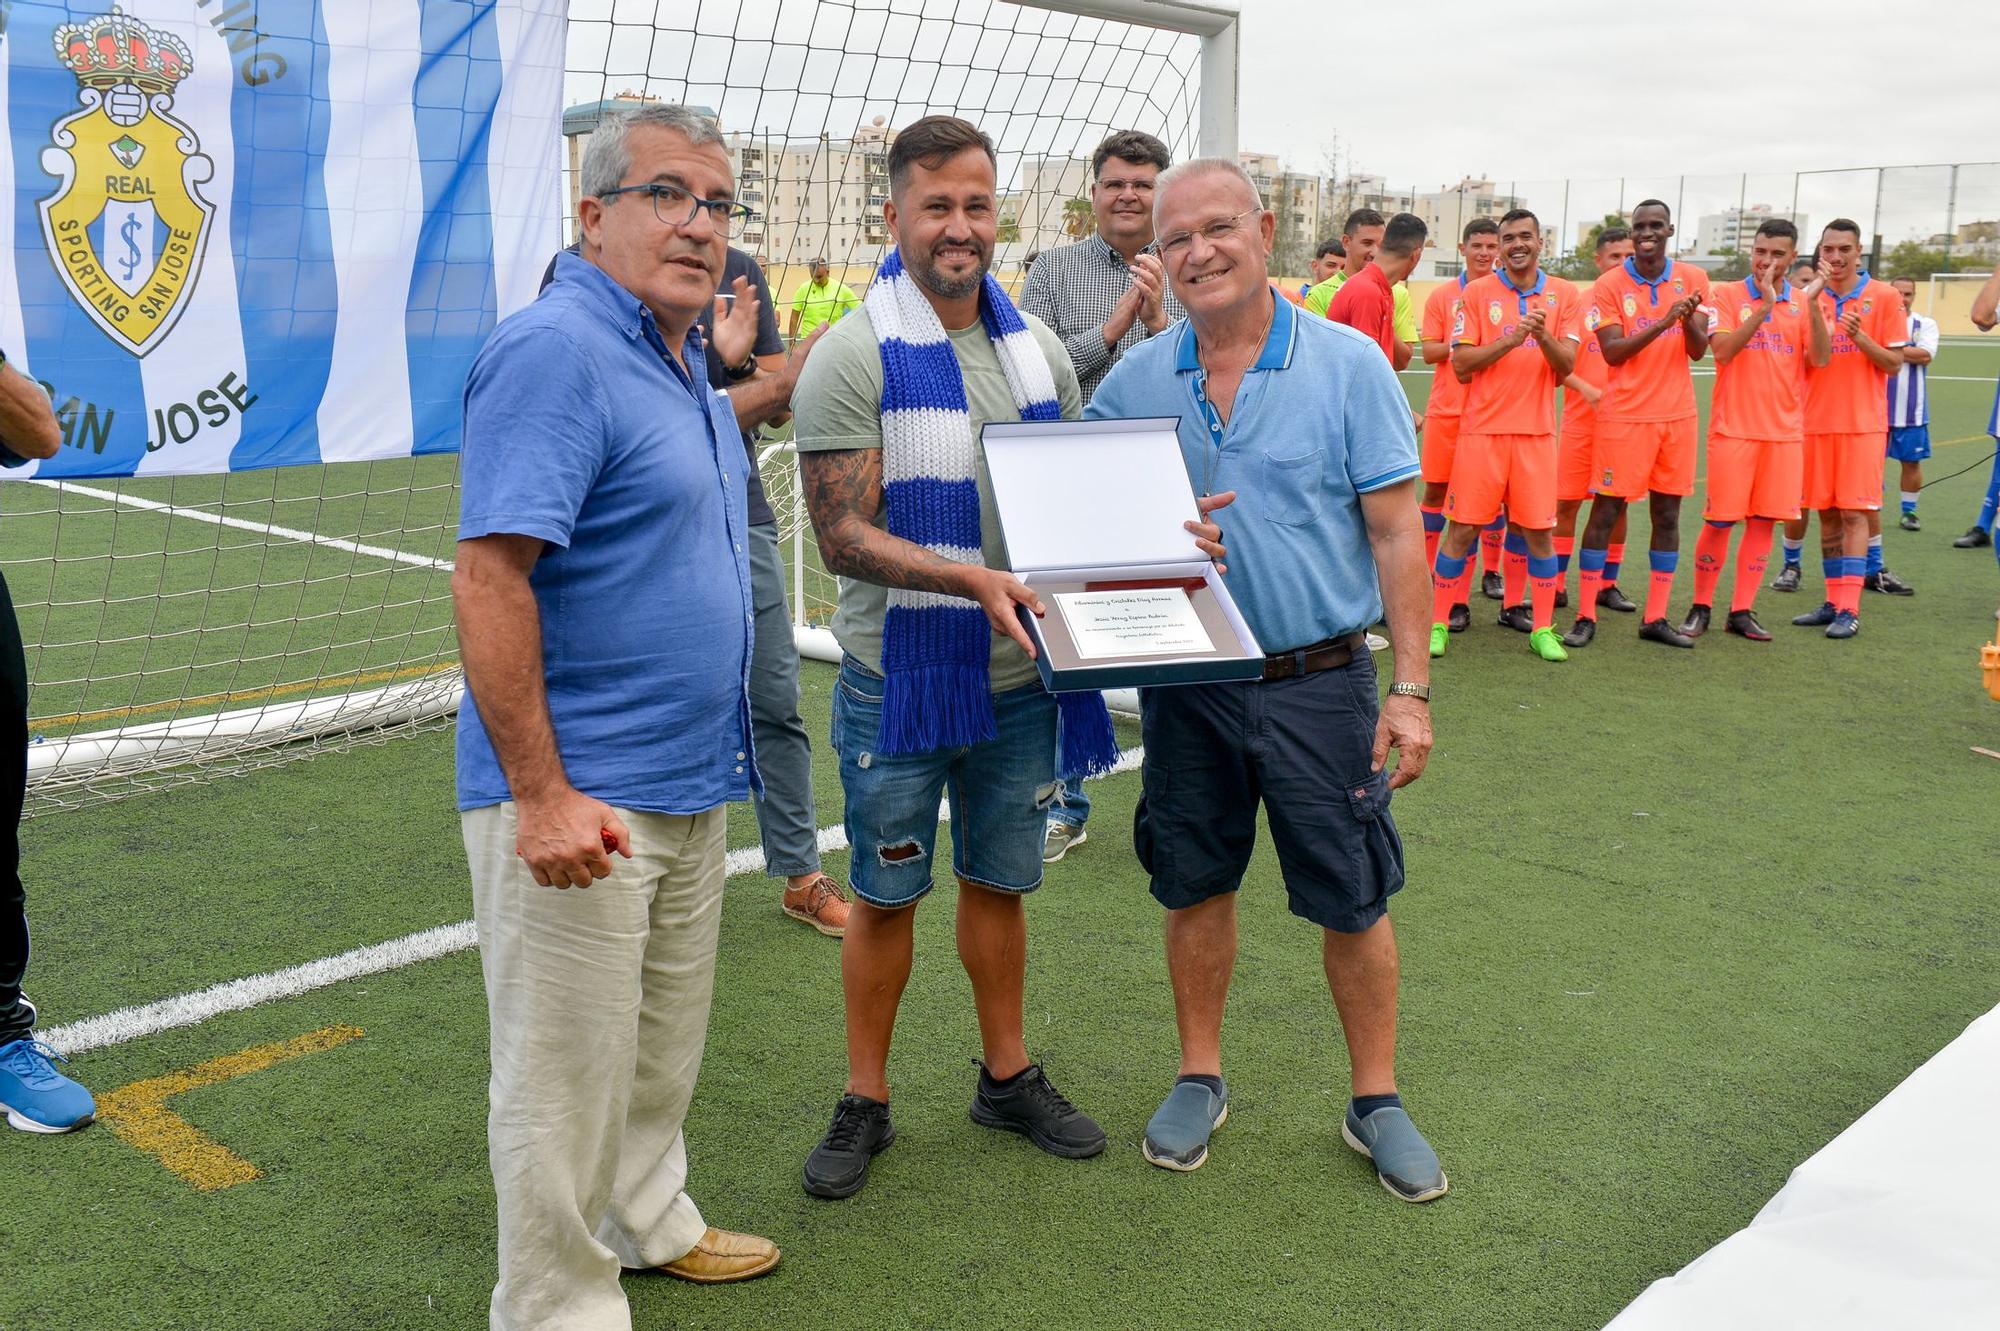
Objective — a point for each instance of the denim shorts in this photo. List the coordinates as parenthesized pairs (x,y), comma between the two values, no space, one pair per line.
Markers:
(999,791)
(1302,747)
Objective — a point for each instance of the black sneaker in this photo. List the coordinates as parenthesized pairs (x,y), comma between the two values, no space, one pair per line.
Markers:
(1744,625)
(1697,620)
(1459,618)
(860,1131)
(1492,586)
(1610,598)
(1887,583)
(1658,630)
(1519,618)
(1032,1106)
(1975,538)
(1562,598)
(1787,579)
(1580,633)
(1817,619)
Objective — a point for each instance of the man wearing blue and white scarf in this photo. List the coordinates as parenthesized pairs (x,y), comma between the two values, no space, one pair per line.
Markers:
(938,694)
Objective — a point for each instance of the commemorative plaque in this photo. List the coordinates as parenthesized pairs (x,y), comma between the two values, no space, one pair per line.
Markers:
(1091,512)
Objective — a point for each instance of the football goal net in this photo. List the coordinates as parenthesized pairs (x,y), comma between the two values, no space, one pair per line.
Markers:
(180,629)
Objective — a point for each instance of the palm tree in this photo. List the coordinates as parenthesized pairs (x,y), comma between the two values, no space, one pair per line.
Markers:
(1078,218)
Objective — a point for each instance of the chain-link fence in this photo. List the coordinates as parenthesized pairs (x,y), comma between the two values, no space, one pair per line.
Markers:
(1937,222)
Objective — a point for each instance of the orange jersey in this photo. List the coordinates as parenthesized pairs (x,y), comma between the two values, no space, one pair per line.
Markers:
(1447,393)
(1578,415)
(1654,385)
(1515,394)
(1761,393)
(1851,396)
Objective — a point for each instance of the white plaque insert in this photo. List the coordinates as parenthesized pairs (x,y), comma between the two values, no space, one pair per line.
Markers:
(1141,621)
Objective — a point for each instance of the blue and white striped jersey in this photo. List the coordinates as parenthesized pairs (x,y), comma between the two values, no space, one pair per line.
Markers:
(1909,400)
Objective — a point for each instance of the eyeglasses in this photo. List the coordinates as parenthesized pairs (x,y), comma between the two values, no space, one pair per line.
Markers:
(675,206)
(1213,232)
(1139,187)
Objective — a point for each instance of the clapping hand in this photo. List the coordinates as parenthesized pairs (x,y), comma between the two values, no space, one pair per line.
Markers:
(1150,281)
(733,328)
(1770,278)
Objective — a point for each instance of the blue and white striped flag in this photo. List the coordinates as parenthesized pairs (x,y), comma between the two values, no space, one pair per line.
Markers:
(253,233)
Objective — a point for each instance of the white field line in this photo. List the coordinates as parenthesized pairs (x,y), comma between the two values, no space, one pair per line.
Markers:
(243,524)
(168,1014)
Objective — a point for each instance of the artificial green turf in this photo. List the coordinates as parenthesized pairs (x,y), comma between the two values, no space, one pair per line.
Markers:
(1674,920)
(138,608)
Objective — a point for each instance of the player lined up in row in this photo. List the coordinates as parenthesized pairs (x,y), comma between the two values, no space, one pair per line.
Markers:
(1819,378)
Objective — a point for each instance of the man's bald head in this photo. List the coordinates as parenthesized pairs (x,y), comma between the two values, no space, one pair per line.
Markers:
(1197,169)
(1214,238)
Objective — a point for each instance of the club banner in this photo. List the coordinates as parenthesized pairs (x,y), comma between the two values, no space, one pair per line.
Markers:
(256,233)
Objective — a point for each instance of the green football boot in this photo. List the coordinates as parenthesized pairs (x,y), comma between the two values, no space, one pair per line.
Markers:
(1543,642)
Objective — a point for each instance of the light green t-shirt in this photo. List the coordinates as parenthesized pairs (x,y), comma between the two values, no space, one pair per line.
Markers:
(816,304)
(1403,317)
(838,405)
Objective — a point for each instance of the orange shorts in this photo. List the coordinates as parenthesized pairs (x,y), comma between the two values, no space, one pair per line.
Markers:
(1440,448)
(1517,470)
(1635,458)
(1753,478)
(1845,471)
(1576,459)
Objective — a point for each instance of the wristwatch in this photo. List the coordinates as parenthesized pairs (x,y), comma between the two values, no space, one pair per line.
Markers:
(1421,692)
(738,373)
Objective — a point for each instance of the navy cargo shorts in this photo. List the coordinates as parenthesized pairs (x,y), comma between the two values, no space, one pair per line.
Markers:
(1300,746)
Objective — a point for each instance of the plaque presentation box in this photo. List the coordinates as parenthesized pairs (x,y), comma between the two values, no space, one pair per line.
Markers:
(1091,512)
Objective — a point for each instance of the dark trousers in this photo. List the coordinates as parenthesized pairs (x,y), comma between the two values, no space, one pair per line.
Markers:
(17,1015)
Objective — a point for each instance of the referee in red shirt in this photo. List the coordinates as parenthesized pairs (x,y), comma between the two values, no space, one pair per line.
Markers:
(1367,301)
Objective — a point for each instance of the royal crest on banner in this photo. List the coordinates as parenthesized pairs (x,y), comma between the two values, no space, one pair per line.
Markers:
(127,225)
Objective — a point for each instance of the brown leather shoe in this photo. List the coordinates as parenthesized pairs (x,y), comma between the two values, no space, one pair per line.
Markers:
(822,903)
(721,1257)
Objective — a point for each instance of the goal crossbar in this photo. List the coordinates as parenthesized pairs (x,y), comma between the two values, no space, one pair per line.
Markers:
(1215,25)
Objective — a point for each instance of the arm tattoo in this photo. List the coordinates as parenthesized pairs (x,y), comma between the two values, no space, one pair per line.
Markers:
(843,490)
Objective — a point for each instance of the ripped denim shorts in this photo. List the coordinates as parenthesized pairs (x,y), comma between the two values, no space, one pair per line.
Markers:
(999,792)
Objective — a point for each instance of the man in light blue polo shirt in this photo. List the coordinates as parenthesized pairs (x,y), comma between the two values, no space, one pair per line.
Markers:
(605,614)
(1304,422)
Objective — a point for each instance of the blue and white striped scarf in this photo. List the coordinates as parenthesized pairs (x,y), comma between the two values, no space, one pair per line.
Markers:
(937,690)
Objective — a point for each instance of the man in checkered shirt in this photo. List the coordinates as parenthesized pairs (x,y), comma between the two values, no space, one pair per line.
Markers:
(1103,296)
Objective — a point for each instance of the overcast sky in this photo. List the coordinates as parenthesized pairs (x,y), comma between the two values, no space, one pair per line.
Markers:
(1427,90)
(1579,107)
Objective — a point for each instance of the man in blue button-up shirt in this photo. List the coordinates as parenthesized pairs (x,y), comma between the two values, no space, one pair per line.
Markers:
(604,615)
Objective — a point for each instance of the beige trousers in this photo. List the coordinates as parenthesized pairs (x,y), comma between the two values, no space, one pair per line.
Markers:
(597,1007)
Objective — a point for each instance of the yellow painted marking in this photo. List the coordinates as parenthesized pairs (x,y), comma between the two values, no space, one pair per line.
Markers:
(139,1114)
(350,680)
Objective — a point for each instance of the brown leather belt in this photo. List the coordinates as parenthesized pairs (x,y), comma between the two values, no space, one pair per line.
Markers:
(1329,654)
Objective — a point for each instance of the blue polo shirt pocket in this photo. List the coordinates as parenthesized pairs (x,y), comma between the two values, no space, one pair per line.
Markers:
(1292,487)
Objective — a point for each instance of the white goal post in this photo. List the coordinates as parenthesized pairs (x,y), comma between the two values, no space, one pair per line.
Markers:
(1215,25)
(1214,134)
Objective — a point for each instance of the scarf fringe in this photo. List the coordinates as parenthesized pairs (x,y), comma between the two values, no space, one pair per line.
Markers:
(931,707)
(1089,744)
